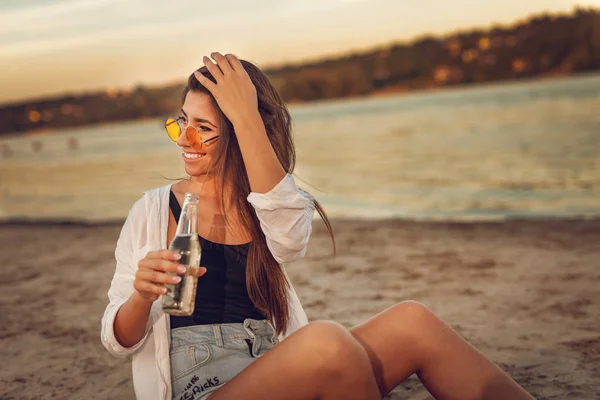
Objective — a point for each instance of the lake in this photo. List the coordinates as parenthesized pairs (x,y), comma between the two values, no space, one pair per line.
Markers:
(522,149)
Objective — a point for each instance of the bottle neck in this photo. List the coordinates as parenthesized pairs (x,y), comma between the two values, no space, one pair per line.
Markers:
(188,220)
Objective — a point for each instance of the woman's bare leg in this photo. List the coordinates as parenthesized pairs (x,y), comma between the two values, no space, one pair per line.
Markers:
(408,338)
(319,361)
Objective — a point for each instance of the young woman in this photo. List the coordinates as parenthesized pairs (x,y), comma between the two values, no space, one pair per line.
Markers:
(235,136)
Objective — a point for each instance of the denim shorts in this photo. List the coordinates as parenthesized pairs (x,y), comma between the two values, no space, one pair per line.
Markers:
(205,357)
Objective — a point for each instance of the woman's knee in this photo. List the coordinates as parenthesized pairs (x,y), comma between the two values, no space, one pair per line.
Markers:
(412,321)
(329,345)
(327,338)
(413,312)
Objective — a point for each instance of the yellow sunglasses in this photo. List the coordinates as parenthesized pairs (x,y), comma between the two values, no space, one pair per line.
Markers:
(174,128)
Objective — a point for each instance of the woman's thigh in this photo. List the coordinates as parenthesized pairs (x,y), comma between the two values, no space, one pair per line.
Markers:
(390,341)
(319,359)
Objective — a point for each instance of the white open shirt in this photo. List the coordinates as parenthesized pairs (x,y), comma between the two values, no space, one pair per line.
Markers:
(285,214)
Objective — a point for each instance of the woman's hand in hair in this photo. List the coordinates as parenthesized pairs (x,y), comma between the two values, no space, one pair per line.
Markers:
(234,91)
(152,273)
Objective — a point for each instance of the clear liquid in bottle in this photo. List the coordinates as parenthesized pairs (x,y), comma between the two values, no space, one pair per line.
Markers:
(180,298)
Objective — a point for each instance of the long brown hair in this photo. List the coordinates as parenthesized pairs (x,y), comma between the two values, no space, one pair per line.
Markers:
(265,279)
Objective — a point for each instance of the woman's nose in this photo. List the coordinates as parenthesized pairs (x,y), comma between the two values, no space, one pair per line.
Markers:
(182,139)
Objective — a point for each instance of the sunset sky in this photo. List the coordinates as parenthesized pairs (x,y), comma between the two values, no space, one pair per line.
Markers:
(49,47)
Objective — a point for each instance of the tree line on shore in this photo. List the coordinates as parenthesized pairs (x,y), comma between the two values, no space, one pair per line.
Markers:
(543,45)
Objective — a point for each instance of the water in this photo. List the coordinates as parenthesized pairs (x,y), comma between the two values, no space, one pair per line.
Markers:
(527,149)
(180,298)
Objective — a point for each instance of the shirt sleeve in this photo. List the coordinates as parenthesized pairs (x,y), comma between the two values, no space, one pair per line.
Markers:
(121,287)
(285,214)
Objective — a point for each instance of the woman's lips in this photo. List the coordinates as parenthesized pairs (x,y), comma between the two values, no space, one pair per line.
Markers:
(193,156)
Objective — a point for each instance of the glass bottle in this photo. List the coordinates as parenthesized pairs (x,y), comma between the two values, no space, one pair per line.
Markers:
(180,298)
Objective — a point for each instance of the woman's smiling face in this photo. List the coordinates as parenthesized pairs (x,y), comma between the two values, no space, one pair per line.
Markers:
(198,110)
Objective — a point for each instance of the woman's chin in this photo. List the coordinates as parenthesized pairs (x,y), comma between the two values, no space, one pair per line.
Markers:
(195,170)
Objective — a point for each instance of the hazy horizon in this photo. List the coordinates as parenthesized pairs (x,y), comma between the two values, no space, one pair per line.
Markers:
(93,44)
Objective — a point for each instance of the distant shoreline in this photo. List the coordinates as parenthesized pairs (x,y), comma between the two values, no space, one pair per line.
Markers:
(383,93)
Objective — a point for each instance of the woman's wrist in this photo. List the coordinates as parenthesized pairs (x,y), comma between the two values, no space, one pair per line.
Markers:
(140,301)
(248,121)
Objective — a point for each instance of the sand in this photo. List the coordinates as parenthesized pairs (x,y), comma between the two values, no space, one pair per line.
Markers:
(527,294)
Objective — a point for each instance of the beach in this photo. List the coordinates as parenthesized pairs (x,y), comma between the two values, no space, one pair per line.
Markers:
(525,293)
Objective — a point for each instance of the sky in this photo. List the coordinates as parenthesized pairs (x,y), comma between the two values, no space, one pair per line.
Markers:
(51,47)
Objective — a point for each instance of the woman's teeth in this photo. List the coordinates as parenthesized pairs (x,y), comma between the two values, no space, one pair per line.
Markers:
(193,156)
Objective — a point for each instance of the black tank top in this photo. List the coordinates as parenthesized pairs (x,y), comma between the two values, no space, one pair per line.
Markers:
(221,296)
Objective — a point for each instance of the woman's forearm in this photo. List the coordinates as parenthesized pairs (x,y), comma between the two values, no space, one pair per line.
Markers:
(131,320)
(263,167)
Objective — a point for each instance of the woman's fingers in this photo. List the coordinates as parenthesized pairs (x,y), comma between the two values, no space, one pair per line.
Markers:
(214,69)
(149,287)
(204,81)
(156,276)
(235,63)
(163,255)
(223,63)
(153,273)
(161,265)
